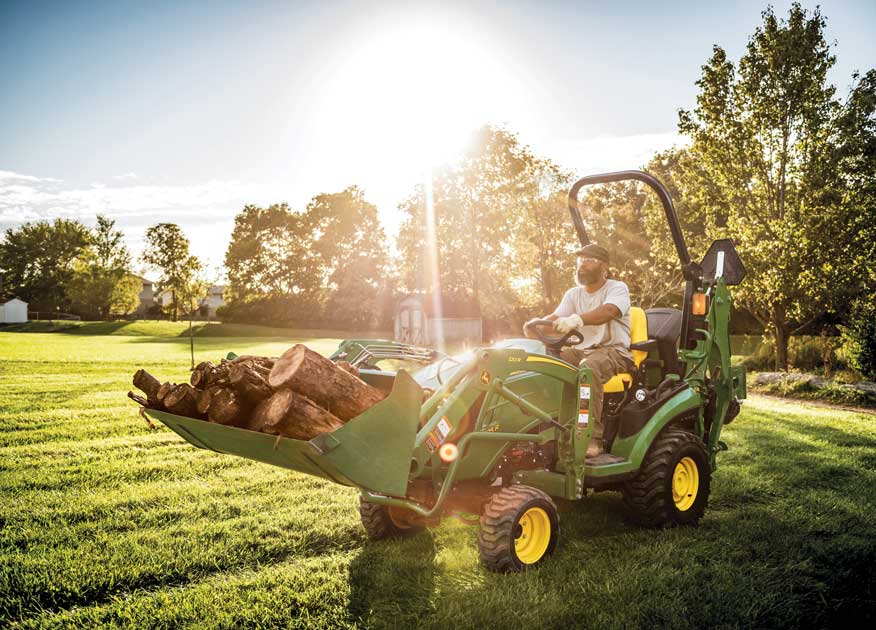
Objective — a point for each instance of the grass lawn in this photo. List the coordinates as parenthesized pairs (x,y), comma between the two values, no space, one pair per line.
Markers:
(107,523)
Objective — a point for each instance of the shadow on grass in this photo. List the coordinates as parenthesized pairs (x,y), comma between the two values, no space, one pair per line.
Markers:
(392,582)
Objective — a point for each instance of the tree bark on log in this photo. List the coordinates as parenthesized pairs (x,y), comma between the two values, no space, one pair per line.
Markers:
(163,391)
(312,375)
(182,401)
(149,385)
(247,381)
(201,375)
(292,415)
(227,407)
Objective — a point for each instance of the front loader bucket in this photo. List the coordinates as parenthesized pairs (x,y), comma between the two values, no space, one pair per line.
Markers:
(371,451)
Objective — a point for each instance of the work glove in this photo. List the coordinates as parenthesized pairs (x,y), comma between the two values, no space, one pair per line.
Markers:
(565,324)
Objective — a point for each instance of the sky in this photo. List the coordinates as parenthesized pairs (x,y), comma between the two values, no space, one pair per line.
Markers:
(186,111)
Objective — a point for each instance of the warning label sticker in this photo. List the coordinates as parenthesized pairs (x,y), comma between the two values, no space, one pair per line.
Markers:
(583,418)
(432,442)
(444,427)
(585,392)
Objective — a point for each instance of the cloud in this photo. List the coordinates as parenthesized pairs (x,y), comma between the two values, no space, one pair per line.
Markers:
(204,210)
(10,175)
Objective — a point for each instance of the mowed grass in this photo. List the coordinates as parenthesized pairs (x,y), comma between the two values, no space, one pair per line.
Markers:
(104,522)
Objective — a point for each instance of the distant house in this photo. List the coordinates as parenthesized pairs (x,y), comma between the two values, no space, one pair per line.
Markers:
(13,312)
(208,304)
(418,323)
(214,299)
(147,296)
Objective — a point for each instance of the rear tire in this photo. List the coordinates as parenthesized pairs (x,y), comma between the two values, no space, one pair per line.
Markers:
(379,522)
(520,527)
(672,487)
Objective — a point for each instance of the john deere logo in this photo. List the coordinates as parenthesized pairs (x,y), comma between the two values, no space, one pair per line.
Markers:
(485,377)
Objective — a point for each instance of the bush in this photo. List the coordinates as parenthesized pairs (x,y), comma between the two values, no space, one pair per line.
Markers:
(286,311)
(859,337)
(763,357)
(810,353)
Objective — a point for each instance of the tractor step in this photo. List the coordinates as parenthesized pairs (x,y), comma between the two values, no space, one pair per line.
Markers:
(604,459)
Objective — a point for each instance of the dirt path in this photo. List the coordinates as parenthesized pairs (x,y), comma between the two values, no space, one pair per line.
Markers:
(814,403)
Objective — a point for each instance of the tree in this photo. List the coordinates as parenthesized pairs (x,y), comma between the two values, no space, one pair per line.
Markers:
(101,266)
(167,250)
(351,250)
(477,204)
(270,255)
(125,297)
(38,260)
(763,167)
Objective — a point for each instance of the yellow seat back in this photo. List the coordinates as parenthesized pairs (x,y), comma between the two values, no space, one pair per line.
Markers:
(638,332)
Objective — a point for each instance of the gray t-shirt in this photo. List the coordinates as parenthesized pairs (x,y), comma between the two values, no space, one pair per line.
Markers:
(614,333)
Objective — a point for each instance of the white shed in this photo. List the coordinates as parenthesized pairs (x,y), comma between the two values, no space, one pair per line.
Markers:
(13,312)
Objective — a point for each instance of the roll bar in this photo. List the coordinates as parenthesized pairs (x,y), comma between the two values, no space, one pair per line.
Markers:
(691,270)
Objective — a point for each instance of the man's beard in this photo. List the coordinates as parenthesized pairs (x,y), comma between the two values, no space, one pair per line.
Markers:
(587,276)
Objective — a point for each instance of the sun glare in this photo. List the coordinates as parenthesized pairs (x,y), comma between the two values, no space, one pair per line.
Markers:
(413,92)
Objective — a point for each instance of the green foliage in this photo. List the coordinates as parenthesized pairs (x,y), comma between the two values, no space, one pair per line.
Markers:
(107,524)
(326,262)
(776,164)
(270,255)
(167,250)
(39,260)
(125,298)
(501,233)
(101,284)
(859,337)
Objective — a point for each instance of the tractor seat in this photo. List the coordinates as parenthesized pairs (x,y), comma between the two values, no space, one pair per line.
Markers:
(665,328)
(638,332)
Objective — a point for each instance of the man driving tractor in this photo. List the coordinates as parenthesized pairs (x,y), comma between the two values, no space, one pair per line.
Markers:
(599,309)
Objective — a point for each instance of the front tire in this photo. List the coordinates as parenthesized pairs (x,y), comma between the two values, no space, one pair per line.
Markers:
(520,527)
(673,485)
(381,521)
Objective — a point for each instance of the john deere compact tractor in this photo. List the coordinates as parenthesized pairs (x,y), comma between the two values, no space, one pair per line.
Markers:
(494,435)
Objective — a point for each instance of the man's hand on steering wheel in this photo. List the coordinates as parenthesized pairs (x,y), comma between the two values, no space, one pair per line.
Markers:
(565,324)
(571,337)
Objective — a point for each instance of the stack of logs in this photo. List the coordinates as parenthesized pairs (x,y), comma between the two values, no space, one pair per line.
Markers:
(299,395)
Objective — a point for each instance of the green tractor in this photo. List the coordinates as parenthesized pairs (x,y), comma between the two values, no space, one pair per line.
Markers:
(494,435)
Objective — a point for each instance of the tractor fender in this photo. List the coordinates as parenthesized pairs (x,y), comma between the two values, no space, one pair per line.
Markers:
(635,447)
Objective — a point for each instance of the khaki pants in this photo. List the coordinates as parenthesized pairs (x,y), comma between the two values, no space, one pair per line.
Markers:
(605,363)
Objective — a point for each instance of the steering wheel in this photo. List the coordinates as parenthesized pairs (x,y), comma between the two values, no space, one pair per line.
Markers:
(571,338)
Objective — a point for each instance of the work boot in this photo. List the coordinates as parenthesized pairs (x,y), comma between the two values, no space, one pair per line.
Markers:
(595,448)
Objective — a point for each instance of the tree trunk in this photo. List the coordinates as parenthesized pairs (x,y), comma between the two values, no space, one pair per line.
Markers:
(780,330)
(311,374)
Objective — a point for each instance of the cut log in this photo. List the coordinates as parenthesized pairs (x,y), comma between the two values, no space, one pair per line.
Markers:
(312,375)
(201,374)
(163,391)
(248,382)
(138,399)
(149,385)
(251,358)
(182,400)
(290,414)
(204,398)
(227,407)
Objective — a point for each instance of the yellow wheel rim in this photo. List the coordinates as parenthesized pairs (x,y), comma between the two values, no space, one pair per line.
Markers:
(685,483)
(534,535)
